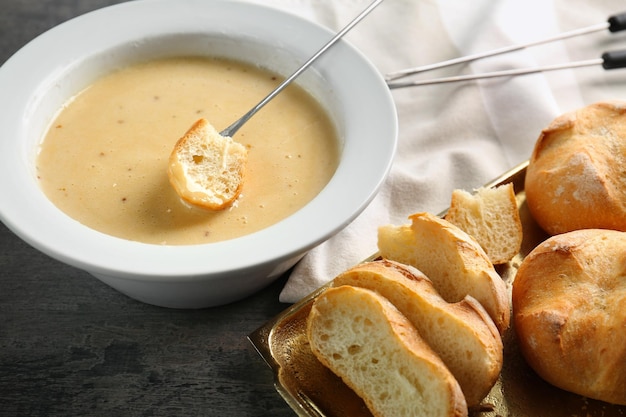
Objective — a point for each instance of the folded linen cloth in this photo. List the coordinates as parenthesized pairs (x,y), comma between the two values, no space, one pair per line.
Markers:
(457,135)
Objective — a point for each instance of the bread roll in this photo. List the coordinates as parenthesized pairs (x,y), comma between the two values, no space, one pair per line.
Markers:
(207,169)
(365,340)
(569,306)
(451,259)
(576,177)
(490,216)
(462,334)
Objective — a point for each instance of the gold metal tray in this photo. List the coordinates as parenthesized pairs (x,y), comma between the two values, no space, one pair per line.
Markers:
(313,391)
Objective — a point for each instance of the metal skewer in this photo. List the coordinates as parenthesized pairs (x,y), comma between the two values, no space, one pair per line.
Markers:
(614,23)
(235,126)
(609,60)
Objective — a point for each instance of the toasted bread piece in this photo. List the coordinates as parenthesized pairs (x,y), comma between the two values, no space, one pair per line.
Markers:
(207,169)
(490,216)
(462,334)
(365,340)
(451,259)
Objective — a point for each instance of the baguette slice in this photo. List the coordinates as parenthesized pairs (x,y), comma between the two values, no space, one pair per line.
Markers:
(490,216)
(207,169)
(376,351)
(462,334)
(451,259)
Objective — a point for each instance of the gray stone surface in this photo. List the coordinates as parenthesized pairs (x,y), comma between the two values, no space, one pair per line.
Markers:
(72,346)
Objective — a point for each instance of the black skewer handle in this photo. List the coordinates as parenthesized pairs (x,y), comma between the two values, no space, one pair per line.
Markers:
(617,22)
(614,59)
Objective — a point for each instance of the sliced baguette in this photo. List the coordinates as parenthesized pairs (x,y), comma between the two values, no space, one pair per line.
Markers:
(462,334)
(490,216)
(207,169)
(451,259)
(376,351)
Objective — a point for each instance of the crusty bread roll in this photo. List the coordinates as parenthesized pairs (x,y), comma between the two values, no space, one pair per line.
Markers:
(451,259)
(569,306)
(376,351)
(491,216)
(462,334)
(576,177)
(207,169)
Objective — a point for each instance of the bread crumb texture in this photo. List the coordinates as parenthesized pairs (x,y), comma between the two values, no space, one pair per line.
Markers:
(376,351)
(491,216)
(462,334)
(207,169)
(453,260)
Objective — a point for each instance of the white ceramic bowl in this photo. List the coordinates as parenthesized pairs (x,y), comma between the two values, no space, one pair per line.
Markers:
(39,78)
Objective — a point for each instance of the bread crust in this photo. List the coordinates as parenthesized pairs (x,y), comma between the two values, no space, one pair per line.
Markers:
(451,259)
(491,216)
(576,177)
(462,334)
(569,310)
(206,169)
(364,339)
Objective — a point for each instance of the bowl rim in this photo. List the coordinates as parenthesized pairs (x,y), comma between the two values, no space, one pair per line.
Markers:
(63,238)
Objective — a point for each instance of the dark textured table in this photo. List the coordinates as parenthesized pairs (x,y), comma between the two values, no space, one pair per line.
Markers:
(72,346)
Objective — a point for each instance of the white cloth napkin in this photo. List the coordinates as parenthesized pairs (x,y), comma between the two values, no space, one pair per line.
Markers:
(464,134)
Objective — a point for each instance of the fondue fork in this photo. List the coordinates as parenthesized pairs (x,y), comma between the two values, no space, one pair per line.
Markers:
(233,128)
(219,161)
(609,60)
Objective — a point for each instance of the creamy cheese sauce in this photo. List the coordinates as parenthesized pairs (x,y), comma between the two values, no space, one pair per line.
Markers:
(104,158)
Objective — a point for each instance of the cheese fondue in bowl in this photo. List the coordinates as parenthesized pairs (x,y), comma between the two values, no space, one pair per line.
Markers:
(39,80)
(104,158)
